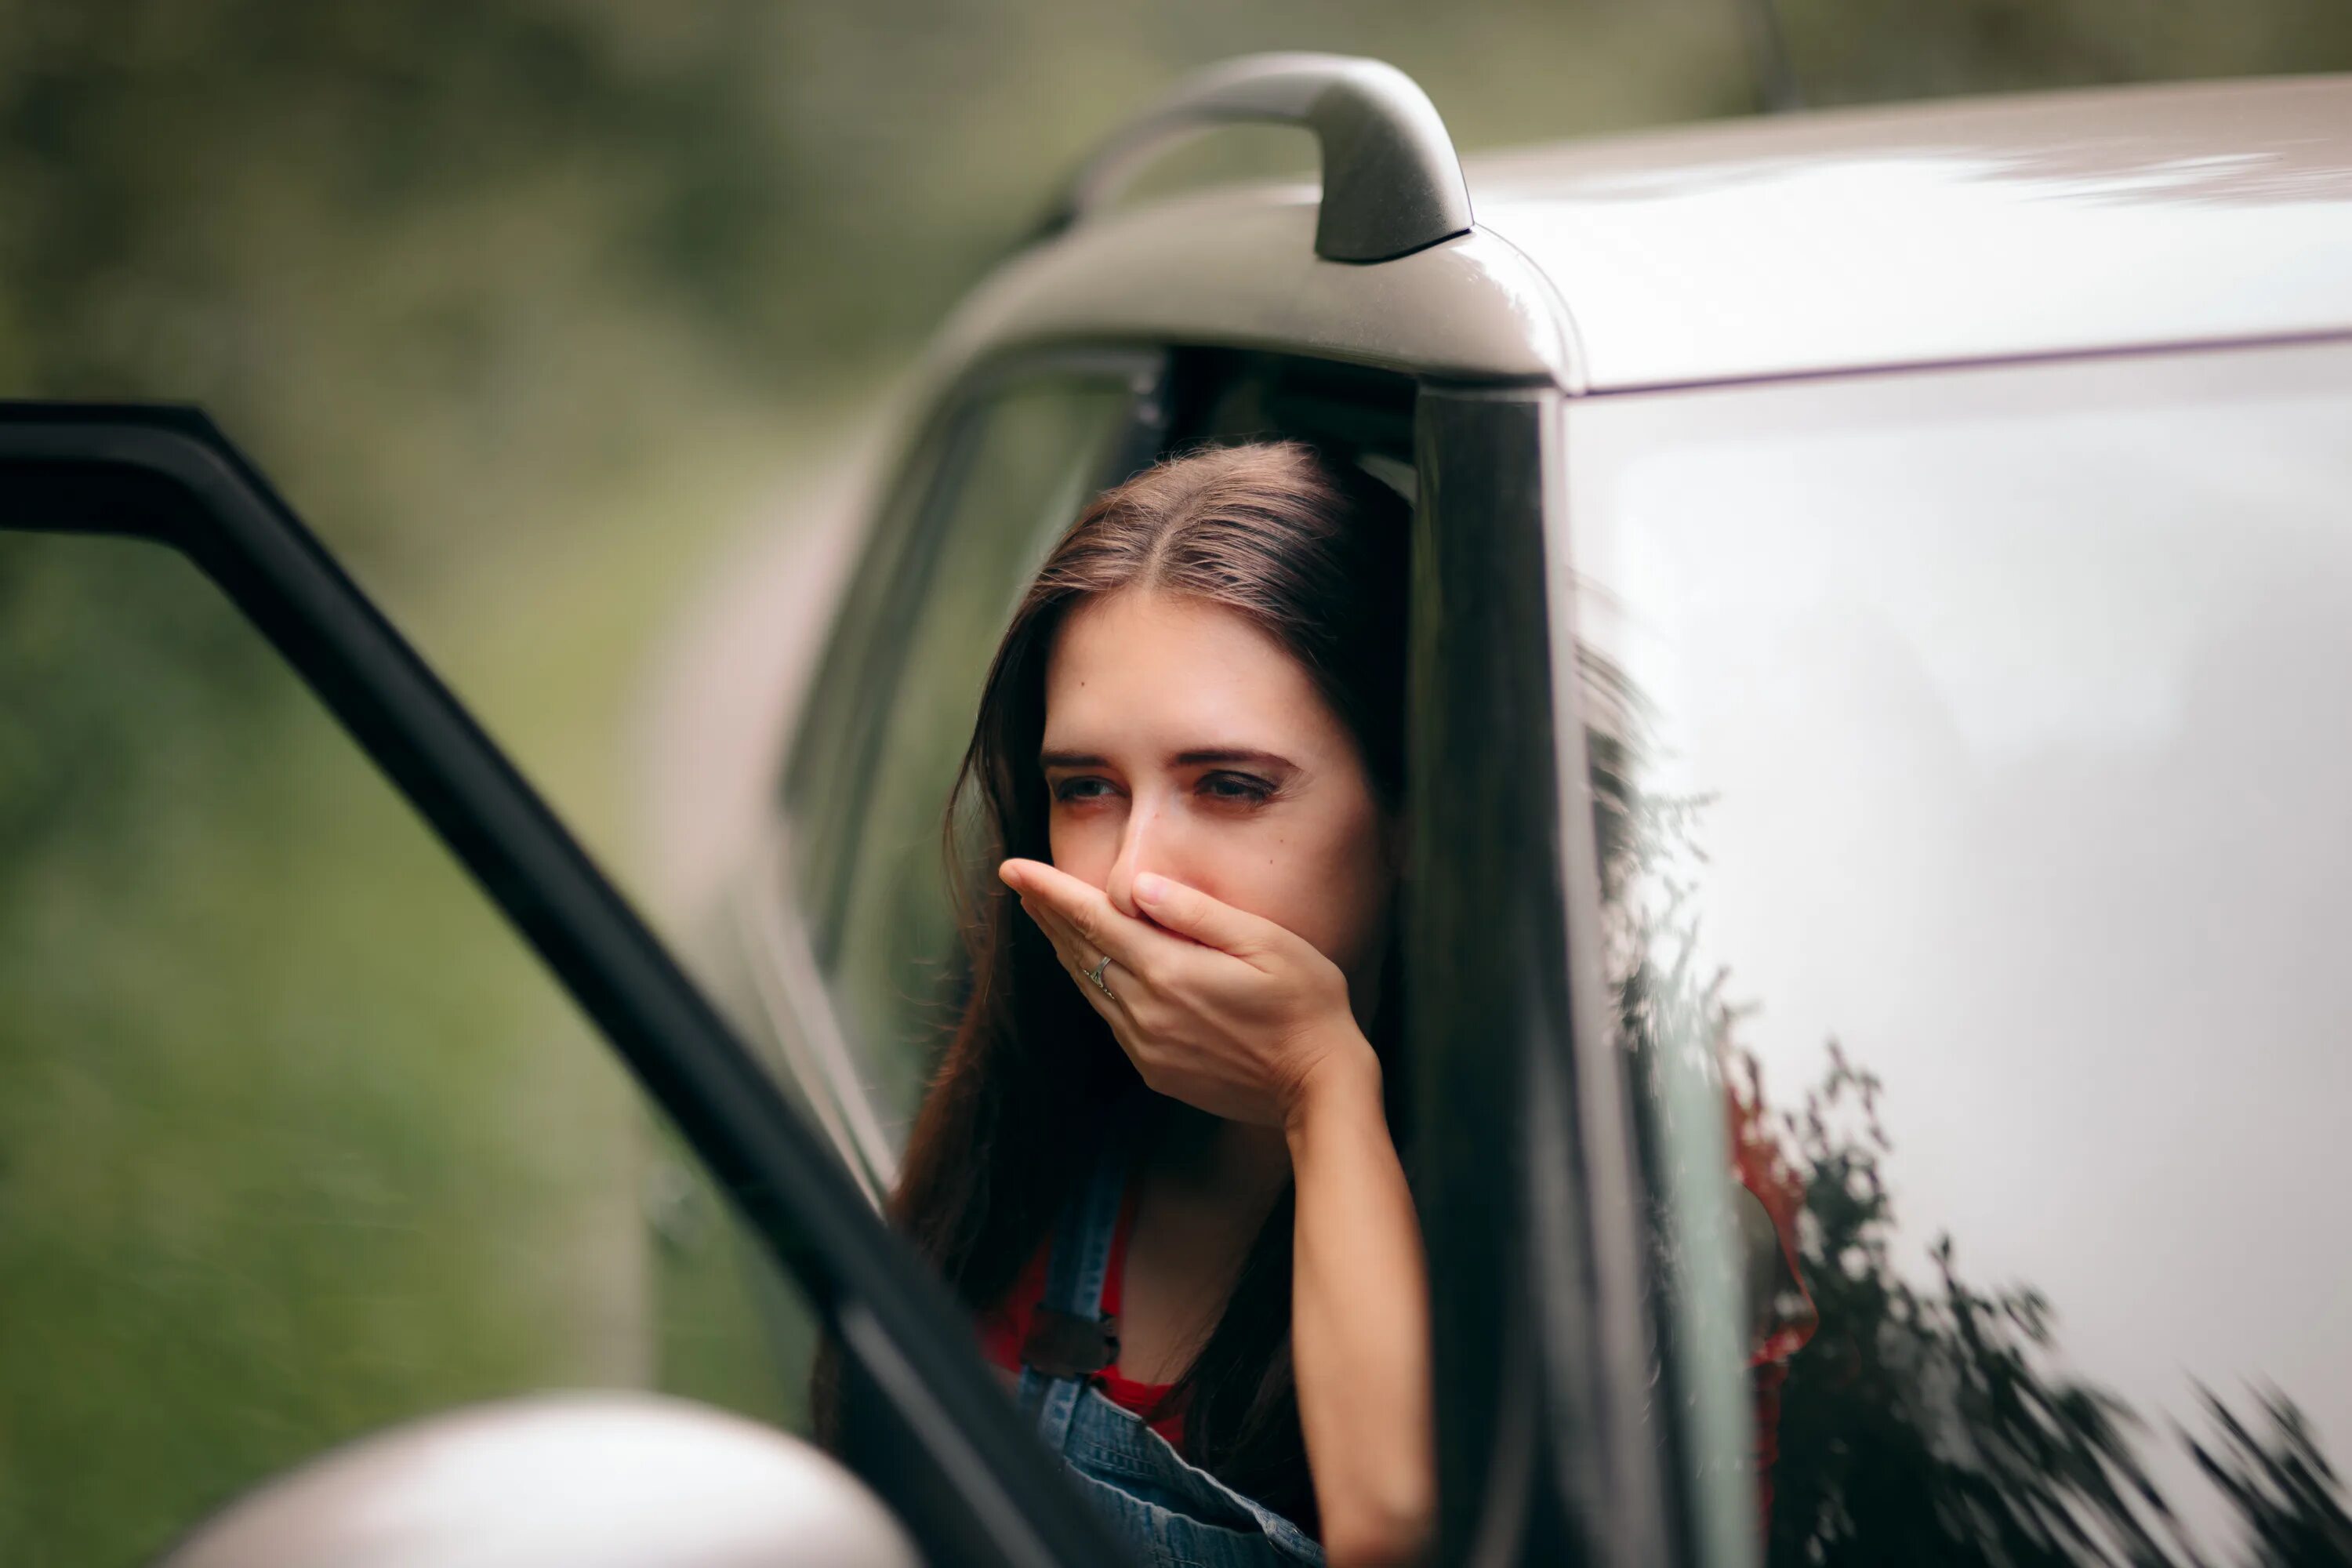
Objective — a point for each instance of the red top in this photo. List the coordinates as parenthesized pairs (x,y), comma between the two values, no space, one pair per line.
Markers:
(1003,1330)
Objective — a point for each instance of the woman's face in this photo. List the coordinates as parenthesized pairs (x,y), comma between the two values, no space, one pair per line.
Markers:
(1181,739)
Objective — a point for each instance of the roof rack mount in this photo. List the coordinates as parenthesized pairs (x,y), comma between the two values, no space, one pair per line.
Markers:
(1391,182)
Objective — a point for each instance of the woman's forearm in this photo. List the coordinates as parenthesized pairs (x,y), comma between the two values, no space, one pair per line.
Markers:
(1360,1323)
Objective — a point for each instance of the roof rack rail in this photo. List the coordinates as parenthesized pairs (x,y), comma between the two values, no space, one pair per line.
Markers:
(1391,182)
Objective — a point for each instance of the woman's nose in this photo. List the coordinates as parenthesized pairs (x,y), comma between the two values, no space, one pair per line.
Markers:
(1139,851)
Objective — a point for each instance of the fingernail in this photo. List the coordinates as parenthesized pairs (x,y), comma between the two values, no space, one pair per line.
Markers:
(1149,888)
(1006,875)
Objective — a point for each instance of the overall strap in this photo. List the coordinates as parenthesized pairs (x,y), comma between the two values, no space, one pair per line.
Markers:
(1069,1339)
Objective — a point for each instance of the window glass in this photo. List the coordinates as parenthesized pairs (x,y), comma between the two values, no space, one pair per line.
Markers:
(1972,763)
(296,1138)
(1025,463)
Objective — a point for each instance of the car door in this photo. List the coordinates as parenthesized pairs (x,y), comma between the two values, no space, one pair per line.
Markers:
(204,1340)
(1971,790)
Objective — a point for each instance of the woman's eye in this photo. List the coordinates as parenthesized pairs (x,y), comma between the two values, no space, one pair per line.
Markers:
(1237,787)
(1071,791)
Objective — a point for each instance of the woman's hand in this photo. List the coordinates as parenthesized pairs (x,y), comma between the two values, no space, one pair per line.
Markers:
(1223,1010)
(1245,1020)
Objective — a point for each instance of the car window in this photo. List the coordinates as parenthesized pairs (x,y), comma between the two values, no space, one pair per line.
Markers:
(1020,466)
(1971,760)
(296,1138)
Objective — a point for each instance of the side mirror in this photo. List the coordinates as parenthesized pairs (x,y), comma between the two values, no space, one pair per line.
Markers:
(588,1480)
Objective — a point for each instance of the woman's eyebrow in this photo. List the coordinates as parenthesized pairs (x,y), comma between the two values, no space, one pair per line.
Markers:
(1215,755)
(1207,756)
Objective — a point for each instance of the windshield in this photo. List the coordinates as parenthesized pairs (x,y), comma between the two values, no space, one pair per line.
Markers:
(1974,769)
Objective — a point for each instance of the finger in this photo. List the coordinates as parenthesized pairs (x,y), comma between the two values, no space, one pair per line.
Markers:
(1079,908)
(1107,996)
(1085,913)
(1187,912)
(1076,955)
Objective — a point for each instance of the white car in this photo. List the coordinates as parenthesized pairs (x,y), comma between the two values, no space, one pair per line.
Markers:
(1957,501)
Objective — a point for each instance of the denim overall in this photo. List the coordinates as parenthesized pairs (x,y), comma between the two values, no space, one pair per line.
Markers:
(1171,1514)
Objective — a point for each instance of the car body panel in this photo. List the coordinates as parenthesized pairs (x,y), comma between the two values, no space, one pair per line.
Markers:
(1237,268)
(2073,223)
(1851,240)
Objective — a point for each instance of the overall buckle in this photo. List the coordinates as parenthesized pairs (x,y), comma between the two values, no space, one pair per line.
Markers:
(1063,1344)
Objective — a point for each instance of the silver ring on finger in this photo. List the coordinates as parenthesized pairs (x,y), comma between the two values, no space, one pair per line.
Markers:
(1096,976)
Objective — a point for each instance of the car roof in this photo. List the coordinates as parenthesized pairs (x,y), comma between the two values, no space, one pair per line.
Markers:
(2111,219)
(1992,228)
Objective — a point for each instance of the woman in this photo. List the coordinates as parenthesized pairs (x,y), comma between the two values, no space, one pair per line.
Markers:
(1157,1161)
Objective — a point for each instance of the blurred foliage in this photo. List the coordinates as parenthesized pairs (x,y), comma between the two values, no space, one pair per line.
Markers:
(1868,51)
(2296,1510)
(525,305)
(1922,1422)
(293,1139)
(1935,1425)
(417,255)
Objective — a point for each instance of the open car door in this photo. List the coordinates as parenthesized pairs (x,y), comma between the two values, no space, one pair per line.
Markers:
(953,1463)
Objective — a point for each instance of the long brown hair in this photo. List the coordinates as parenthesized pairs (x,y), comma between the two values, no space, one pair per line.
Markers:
(1312,552)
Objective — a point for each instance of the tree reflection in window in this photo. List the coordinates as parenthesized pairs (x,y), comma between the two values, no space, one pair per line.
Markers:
(1896,1422)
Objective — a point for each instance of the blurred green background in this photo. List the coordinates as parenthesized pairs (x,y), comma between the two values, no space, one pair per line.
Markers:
(536,310)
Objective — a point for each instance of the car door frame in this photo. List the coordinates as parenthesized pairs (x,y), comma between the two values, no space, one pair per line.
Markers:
(861,662)
(1550,1445)
(1550,1448)
(965,1477)
(780,946)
